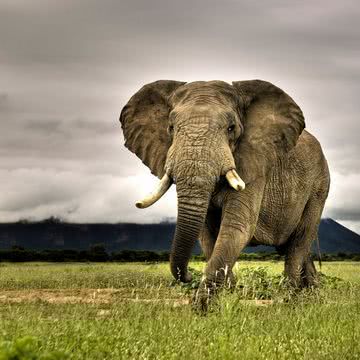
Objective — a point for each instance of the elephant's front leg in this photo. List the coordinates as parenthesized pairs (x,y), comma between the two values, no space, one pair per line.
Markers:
(239,216)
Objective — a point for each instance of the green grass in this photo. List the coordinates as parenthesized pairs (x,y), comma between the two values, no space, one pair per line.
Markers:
(323,324)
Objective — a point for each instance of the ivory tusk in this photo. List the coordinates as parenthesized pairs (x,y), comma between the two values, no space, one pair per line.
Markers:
(161,189)
(235,180)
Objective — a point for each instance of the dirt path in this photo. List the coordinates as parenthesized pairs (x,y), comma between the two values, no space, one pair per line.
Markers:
(93,296)
(78,296)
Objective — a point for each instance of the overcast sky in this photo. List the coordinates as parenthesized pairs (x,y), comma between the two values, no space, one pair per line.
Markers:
(68,67)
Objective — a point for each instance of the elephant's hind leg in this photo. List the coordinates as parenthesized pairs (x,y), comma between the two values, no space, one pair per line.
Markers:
(308,273)
(299,267)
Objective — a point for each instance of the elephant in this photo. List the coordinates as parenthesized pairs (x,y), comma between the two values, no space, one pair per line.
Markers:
(246,173)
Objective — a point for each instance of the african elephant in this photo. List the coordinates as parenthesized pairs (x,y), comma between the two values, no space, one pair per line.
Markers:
(246,171)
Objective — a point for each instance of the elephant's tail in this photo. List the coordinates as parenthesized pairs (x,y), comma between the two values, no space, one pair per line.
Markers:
(318,250)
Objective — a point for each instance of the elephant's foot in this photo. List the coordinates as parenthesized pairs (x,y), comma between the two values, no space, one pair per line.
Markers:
(184,277)
(302,277)
(202,298)
(209,287)
(309,275)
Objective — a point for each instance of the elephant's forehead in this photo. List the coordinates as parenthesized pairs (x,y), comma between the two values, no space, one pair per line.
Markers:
(203,92)
(209,84)
(191,125)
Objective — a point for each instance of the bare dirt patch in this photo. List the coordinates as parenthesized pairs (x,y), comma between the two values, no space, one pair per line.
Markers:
(94,296)
(79,296)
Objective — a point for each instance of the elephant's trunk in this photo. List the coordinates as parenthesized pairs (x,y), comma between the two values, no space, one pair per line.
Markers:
(195,173)
(192,210)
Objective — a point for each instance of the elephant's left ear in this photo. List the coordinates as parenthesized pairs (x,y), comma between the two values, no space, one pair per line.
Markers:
(272,123)
(144,120)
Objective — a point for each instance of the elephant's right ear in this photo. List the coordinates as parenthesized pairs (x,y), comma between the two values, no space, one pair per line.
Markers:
(144,120)
(272,123)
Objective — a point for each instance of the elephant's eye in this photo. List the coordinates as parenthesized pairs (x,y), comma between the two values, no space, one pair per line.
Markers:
(231,128)
(171,128)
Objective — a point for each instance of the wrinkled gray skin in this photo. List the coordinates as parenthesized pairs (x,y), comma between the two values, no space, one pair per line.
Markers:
(198,131)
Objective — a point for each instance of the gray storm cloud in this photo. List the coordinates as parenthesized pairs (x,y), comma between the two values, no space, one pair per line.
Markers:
(67,69)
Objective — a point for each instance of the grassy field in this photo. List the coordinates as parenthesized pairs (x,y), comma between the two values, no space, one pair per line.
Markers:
(135,311)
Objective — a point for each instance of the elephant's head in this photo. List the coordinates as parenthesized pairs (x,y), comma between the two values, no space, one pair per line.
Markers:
(193,134)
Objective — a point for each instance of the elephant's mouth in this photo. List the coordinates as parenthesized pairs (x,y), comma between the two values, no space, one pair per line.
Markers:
(165,183)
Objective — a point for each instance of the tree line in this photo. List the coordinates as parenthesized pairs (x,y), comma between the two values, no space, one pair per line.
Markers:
(98,253)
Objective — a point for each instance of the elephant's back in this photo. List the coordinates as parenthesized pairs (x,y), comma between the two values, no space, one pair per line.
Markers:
(308,161)
(308,150)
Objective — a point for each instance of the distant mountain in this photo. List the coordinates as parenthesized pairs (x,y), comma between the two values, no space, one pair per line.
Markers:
(335,238)
(53,234)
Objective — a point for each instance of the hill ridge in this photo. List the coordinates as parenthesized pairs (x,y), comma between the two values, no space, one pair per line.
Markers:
(55,234)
